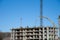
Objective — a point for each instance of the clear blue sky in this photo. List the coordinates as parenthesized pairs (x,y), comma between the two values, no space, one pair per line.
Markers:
(12,10)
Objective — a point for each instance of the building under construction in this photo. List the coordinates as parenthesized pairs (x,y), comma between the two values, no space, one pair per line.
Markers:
(36,33)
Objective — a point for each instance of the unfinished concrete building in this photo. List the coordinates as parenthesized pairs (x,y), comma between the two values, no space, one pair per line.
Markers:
(35,33)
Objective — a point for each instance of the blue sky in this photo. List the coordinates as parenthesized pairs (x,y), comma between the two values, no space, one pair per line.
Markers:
(12,10)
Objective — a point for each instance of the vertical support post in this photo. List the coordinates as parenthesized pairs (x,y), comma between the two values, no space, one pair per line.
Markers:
(11,36)
(43,33)
(59,25)
(53,33)
(41,20)
(47,33)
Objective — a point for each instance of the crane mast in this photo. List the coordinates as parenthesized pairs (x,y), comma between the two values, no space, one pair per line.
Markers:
(41,13)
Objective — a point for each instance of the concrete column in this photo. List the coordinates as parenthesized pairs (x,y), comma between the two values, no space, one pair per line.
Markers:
(53,33)
(40,33)
(43,33)
(47,33)
(13,34)
(24,33)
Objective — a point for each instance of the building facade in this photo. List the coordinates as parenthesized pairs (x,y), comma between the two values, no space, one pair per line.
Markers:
(35,33)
